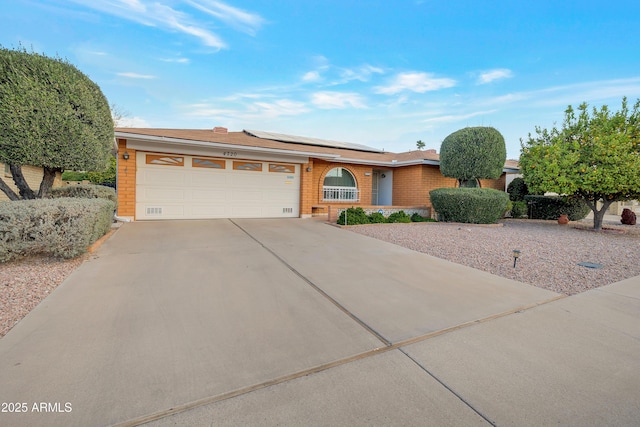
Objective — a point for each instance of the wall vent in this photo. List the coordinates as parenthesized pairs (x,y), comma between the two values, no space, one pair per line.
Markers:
(154,211)
(287,210)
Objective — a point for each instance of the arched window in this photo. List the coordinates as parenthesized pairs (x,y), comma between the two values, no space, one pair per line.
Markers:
(339,185)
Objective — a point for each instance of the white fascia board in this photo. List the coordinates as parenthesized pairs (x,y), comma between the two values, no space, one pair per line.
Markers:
(396,164)
(391,164)
(160,143)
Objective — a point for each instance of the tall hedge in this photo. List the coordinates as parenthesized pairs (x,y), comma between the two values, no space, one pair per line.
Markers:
(63,227)
(473,153)
(469,205)
(85,191)
(551,207)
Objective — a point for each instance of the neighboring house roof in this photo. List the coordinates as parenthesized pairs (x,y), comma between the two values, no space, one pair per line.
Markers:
(325,149)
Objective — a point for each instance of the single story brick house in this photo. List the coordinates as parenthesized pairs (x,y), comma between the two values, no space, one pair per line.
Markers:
(213,173)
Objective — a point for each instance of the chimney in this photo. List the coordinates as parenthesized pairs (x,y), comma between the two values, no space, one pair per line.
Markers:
(431,150)
(220,129)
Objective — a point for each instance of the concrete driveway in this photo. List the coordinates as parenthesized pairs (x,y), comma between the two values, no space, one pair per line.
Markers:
(291,322)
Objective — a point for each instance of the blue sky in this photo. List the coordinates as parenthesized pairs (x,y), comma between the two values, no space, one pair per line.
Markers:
(381,73)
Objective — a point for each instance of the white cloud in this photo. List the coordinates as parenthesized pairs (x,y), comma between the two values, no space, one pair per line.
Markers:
(311,76)
(133,122)
(251,111)
(239,19)
(415,82)
(362,73)
(166,18)
(176,60)
(283,107)
(456,118)
(130,75)
(337,100)
(492,75)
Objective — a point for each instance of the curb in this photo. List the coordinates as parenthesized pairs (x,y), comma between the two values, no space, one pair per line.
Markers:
(95,245)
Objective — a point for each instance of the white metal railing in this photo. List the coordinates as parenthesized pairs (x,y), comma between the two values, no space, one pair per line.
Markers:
(332,194)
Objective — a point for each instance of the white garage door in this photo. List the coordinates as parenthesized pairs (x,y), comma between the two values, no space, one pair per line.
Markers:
(172,186)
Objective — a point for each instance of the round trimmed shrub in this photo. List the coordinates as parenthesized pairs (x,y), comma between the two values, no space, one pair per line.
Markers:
(399,216)
(473,153)
(517,189)
(469,205)
(377,218)
(353,216)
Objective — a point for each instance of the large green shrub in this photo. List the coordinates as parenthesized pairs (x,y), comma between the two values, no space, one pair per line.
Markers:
(399,216)
(518,209)
(51,115)
(85,191)
(63,227)
(353,216)
(419,218)
(473,153)
(551,207)
(74,176)
(377,218)
(517,189)
(469,205)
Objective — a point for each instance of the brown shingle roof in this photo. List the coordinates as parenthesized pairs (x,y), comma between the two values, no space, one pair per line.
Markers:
(244,139)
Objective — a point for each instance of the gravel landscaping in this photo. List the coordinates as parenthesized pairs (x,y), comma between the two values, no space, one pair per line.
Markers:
(550,252)
(24,283)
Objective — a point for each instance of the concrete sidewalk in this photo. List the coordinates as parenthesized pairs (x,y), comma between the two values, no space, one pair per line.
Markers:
(290,322)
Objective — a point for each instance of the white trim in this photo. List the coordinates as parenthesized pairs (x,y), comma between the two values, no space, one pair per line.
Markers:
(139,139)
(227,151)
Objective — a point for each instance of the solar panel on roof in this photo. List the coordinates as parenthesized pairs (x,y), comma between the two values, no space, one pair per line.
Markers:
(310,141)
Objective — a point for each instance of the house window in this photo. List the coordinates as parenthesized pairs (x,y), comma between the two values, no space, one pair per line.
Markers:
(207,163)
(7,171)
(154,159)
(247,166)
(282,168)
(339,185)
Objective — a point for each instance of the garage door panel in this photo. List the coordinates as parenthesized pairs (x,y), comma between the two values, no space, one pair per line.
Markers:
(207,180)
(207,211)
(240,195)
(160,211)
(166,177)
(163,194)
(211,195)
(280,196)
(183,192)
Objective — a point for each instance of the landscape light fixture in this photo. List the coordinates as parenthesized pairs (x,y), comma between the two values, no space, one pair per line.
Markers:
(125,155)
(516,255)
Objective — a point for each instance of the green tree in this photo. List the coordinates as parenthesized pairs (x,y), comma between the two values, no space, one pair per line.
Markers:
(471,154)
(594,156)
(52,116)
(106,177)
(420,145)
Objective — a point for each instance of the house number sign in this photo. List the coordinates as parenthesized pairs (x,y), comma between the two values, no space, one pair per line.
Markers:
(230,154)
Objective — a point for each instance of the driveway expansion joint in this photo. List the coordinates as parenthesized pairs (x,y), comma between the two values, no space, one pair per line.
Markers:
(317,288)
(317,369)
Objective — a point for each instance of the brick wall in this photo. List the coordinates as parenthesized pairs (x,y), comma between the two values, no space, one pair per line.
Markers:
(126,181)
(33,176)
(497,184)
(311,188)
